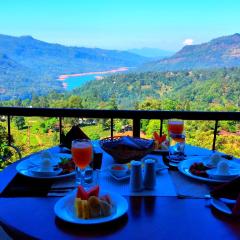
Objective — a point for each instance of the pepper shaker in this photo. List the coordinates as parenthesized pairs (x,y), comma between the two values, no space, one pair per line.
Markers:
(136,176)
(149,180)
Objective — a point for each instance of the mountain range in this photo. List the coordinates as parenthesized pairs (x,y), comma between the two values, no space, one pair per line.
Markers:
(58,59)
(219,52)
(154,53)
(31,66)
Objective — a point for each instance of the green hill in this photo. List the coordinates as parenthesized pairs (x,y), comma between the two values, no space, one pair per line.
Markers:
(190,87)
(218,53)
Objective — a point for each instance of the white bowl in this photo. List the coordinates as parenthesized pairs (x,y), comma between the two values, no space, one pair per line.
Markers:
(119,172)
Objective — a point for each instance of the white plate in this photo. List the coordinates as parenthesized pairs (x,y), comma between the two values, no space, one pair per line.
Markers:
(184,167)
(221,206)
(65,209)
(126,177)
(26,166)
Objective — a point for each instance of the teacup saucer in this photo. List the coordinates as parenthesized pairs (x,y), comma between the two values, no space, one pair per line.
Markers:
(38,171)
(124,178)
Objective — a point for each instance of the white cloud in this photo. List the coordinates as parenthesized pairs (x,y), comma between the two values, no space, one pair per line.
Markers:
(188,41)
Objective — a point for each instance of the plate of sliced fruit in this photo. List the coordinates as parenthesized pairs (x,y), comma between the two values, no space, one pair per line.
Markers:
(90,207)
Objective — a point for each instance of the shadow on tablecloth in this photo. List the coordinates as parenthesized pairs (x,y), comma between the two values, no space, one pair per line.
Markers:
(187,186)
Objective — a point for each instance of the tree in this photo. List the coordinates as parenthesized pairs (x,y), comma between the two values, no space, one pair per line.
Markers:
(20,122)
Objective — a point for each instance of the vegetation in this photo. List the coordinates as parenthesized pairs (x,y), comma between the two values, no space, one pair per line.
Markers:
(217,90)
(211,90)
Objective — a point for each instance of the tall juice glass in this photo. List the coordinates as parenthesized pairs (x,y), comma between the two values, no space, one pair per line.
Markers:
(175,126)
(176,139)
(82,153)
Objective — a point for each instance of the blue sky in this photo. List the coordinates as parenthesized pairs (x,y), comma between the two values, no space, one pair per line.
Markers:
(121,24)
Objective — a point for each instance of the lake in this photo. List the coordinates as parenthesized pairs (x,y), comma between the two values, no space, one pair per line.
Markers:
(74,82)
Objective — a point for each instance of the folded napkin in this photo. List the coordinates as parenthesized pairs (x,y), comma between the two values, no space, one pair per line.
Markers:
(74,133)
(133,143)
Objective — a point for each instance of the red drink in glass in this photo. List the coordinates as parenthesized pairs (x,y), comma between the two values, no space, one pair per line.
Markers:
(175,126)
(82,153)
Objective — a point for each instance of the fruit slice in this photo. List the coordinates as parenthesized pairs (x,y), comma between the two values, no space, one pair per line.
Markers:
(81,193)
(86,212)
(106,198)
(78,207)
(82,208)
(93,192)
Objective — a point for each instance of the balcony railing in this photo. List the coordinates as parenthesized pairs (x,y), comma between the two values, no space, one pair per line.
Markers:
(135,115)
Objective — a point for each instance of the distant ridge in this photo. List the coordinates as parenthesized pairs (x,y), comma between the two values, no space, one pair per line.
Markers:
(155,53)
(57,59)
(220,52)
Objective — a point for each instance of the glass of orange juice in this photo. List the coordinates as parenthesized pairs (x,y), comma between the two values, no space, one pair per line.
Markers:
(176,139)
(175,126)
(82,154)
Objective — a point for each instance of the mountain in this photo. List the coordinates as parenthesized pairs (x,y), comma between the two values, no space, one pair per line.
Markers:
(29,66)
(18,81)
(219,52)
(199,89)
(155,53)
(56,59)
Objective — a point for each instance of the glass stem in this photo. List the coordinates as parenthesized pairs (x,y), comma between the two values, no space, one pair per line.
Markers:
(79,176)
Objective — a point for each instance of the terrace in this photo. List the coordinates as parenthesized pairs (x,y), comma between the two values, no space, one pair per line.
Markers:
(160,208)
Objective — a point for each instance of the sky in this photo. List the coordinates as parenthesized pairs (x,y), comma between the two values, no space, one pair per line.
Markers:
(121,24)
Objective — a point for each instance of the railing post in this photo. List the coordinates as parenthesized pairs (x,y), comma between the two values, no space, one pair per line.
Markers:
(215,135)
(161,127)
(136,127)
(111,128)
(9,129)
(60,129)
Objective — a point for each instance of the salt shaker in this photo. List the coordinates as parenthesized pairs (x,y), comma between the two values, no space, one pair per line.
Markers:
(136,176)
(149,180)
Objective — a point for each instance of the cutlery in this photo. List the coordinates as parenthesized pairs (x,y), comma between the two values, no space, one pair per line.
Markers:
(183,196)
(206,196)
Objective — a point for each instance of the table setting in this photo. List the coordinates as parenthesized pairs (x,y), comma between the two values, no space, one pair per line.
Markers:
(92,180)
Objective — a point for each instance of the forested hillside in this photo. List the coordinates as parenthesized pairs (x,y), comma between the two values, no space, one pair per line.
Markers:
(195,90)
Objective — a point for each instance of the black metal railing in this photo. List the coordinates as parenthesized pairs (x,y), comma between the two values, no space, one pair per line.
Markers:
(135,115)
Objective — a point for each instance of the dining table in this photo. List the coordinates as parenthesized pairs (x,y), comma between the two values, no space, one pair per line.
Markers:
(181,209)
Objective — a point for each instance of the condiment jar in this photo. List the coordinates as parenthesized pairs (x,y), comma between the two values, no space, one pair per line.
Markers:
(136,176)
(149,180)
